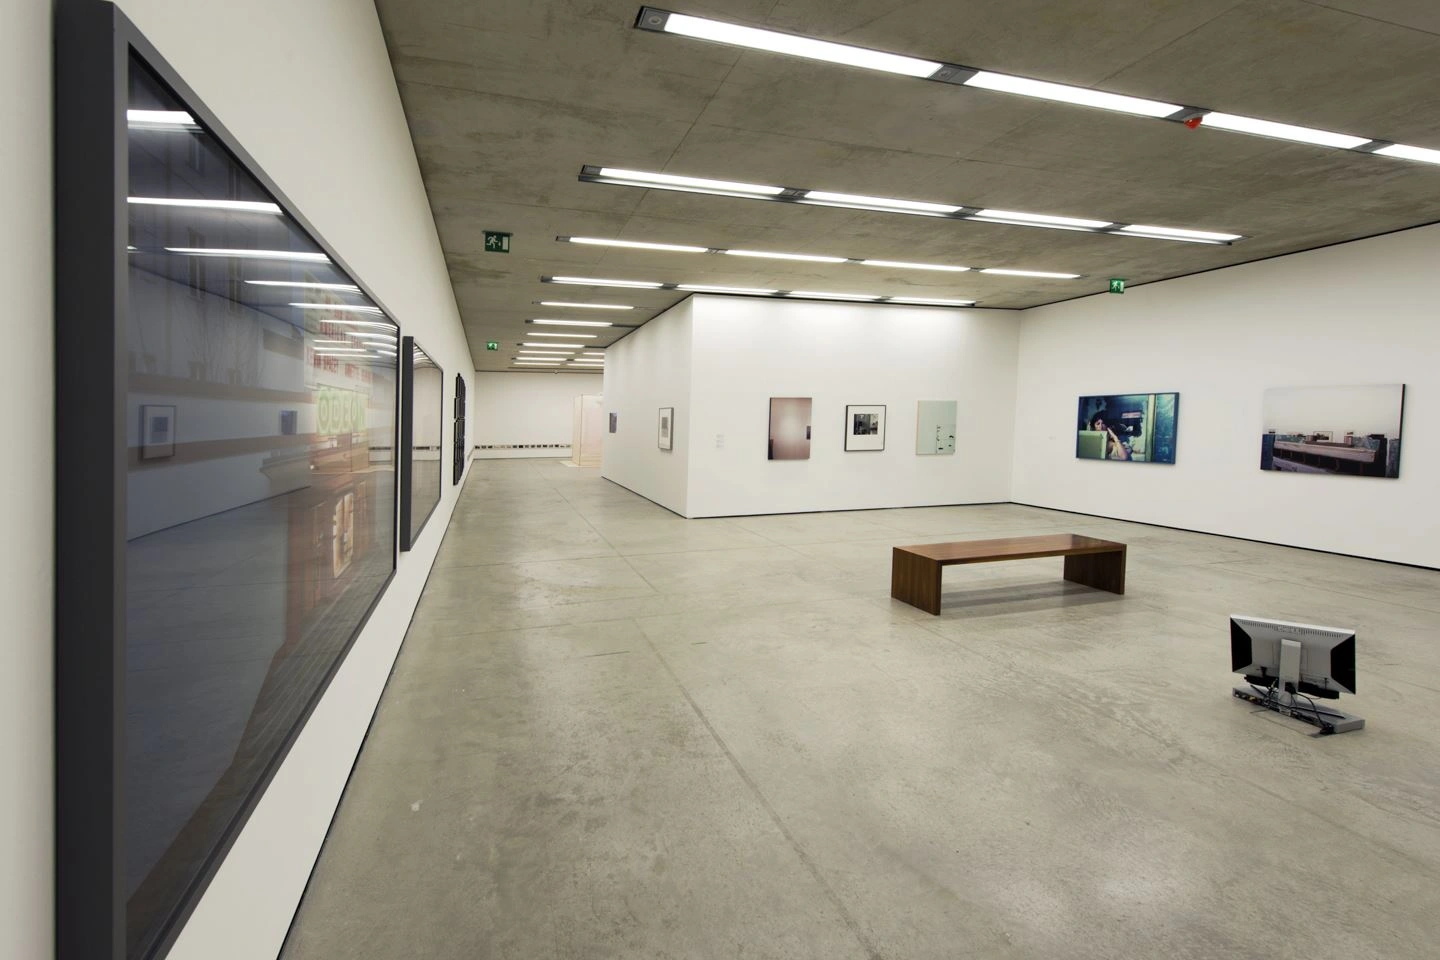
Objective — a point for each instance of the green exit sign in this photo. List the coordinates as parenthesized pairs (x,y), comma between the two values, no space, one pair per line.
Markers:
(497,242)
(1117,286)
(492,344)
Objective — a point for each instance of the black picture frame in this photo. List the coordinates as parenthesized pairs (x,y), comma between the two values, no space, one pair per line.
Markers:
(457,457)
(94,42)
(411,525)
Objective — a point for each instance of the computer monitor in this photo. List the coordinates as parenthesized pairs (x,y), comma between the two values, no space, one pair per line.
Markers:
(1293,657)
(1090,444)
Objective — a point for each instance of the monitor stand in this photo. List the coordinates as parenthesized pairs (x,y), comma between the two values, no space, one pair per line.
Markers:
(1278,698)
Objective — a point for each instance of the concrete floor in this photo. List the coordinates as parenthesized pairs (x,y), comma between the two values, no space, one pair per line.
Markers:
(612,732)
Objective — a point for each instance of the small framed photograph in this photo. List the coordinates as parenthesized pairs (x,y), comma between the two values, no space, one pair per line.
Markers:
(157,431)
(666,438)
(864,427)
(614,420)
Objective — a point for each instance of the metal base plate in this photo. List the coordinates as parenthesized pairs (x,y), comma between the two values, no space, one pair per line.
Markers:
(1328,720)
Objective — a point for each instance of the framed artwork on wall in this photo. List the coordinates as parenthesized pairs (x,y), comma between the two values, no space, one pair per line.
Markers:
(157,431)
(1138,427)
(1348,430)
(666,437)
(935,427)
(422,406)
(789,428)
(864,427)
(614,419)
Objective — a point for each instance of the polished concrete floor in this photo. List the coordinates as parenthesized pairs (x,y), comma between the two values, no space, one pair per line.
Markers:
(612,732)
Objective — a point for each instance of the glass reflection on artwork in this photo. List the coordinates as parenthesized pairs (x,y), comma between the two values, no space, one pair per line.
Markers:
(261,395)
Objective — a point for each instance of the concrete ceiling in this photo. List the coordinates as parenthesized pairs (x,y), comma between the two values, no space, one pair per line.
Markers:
(506,101)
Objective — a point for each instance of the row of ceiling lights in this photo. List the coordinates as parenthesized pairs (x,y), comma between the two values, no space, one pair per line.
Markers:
(703,28)
(756,291)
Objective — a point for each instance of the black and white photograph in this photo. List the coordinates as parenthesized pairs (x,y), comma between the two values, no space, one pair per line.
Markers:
(666,440)
(864,427)
(157,431)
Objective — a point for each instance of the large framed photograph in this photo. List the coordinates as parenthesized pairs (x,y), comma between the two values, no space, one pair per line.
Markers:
(789,428)
(1132,427)
(193,281)
(1348,430)
(665,436)
(864,427)
(935,427)
(157,431)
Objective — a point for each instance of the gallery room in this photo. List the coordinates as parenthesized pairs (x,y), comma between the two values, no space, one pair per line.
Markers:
(798,480)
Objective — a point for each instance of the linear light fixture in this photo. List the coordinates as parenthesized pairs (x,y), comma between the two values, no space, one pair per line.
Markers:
(340,350)
(767,255)
(1141,229)
(248,254)
(822,295)
(346,287)
(358,323)
(903,265)
(574,323)
(697,183)
(535,363)
(599,282)
(589,173)
(575,346)
(585,306)
(932,301)
(633,244)
(592,353)
(237,206)
(332,343)
(586,336)
(1044,274)
(342,307)
(657,20)
(544,353)
(385,337)
(707,288)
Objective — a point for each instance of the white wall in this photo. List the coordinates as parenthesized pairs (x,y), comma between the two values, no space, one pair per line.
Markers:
(1358,313)
(299,85)
(526,408)
(650,369)
(747,350)
(26,564)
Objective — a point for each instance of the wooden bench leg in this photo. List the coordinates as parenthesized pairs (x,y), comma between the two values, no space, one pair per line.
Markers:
(1103,571)
(915,580)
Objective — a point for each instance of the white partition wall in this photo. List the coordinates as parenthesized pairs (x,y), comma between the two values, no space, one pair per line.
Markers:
(730,355)
(1356,313)
(516,415)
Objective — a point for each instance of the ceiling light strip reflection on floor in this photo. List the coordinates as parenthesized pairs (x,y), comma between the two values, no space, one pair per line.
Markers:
(656,20)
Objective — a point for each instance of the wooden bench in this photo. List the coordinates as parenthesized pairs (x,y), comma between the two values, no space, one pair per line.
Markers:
(915,570)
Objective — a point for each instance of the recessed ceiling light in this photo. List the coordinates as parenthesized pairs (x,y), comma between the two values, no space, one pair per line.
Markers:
(238,206)
(585,306)
(346,287)
(250,254)
(1400,150)
(342,307)
(931,301)
(634,244)
(810,258)
(902,265)
(574,323)
(1178,234)
(888,203)
(1064,93)
(703,28)
(1279,131)
(706,288)
(539,333)
(577,346)
(1031,273)
(821,295)
(598,282)
(1041,219)
(701,183)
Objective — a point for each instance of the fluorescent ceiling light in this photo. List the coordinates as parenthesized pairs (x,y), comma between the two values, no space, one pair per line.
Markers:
(250,254)
(1280,131)
(172,119)
(585,306)
(706,288)
(637,245)
(597,282)
(1042,218)
(902,265)
(809,258)
(1064,93)
(535,363)
(576,346)
(359,323)
(544,353)
(347,287)
(933,301)
(821,295)
(1031,273)
(585,336)
(1175,233)
(884,202)
(593,353)
(239,206)
(700,183)
(346,308)
(702,28)
(575,323)
(1403,152)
